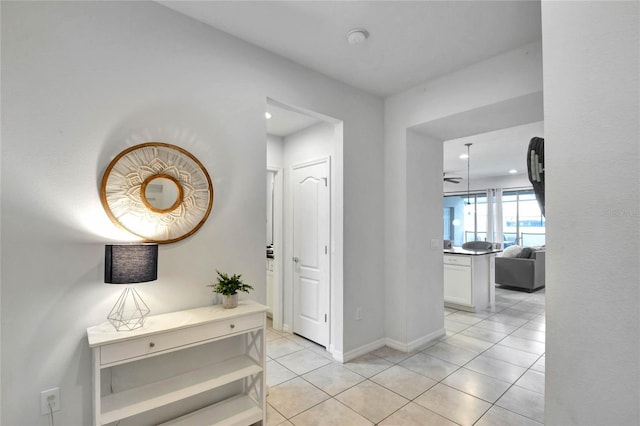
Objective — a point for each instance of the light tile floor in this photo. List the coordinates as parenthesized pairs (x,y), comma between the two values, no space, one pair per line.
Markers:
(488,370)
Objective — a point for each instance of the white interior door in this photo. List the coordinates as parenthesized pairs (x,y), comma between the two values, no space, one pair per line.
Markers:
(311,260)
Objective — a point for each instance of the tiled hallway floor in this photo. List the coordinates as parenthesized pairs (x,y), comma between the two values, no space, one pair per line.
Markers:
(489,369)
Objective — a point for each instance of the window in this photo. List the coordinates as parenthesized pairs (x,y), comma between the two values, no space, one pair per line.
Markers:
(465,218)
(522,220)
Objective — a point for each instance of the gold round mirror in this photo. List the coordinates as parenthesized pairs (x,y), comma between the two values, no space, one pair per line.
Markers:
(157,191)
(161,193)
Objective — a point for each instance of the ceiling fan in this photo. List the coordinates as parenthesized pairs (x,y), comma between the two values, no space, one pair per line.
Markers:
(452,179)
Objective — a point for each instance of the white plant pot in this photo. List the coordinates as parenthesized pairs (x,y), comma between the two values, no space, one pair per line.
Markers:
(230,302)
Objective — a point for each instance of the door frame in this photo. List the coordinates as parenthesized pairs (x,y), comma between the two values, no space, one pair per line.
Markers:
(327,160)
(336,344)
(278,252)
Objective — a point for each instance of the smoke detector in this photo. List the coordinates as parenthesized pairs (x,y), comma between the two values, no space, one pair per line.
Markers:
(357,36)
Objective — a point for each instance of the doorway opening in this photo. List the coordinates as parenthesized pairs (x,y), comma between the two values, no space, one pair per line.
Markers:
(304,210)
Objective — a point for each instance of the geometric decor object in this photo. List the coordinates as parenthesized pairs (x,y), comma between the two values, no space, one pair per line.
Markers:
(129,312)
(157,191)
(535,169)
(129,264)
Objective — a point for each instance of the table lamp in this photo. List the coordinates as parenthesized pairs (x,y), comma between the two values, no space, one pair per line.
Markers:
(129,264)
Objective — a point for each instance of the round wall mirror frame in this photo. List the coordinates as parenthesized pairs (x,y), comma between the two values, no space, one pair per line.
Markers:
(157,191)
(161,193)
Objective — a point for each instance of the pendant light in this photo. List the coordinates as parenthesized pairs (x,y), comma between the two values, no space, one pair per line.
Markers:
(468,145)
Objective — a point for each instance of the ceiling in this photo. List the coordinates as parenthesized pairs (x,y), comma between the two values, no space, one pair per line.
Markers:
(492,154)
(410,42)
(285,122)
(500,134)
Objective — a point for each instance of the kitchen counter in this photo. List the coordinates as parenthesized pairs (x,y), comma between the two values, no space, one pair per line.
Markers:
(460,250)
(469,278)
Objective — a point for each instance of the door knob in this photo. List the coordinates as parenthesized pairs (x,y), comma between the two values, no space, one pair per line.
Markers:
(295,259)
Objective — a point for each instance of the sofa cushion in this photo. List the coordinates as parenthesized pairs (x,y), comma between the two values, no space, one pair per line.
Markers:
(512,251)
(525,253)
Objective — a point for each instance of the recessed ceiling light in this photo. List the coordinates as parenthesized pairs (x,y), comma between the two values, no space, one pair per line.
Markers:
(464,156)
(357,36)
(513,171)
(267,115)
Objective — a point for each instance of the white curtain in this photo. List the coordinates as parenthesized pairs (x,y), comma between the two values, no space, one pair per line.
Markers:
(497,211)
(490,219)
(494,215)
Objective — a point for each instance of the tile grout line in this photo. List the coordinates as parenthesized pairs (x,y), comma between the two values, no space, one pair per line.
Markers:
(536,317)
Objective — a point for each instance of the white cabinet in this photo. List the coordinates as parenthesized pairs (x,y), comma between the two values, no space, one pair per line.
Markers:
(203,366)
(468,281)
(458,288)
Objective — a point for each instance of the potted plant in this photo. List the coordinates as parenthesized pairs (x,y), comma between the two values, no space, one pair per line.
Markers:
(228,287)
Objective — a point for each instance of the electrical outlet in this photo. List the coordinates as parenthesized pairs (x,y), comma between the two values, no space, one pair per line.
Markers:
(51,396)
(359,313)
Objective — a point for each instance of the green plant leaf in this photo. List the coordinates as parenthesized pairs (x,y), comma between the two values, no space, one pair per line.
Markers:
(229,286)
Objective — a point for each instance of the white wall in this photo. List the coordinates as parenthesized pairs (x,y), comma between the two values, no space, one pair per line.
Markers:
(312,143)
(275,151)
(425,275)
(82,81)
(592,129)
(1,116)
(511,75)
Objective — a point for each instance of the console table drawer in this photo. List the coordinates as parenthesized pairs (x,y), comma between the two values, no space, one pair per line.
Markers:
(150,344)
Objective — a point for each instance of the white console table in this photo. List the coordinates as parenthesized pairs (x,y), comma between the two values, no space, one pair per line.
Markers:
(469,279)
(203,366)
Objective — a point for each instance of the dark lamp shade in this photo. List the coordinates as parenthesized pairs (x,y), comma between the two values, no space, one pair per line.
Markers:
(130,263)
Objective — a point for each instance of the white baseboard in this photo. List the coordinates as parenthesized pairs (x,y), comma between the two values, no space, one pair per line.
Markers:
(362,350)
(417,344)
(336,354)
(286,328)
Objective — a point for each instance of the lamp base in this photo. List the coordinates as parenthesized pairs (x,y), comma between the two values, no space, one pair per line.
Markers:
(129,312)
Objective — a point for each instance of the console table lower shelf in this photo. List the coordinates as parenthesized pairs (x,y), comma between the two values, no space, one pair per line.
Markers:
(239,410)
(162,372)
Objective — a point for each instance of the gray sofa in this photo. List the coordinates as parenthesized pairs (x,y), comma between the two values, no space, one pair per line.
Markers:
(521,273)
